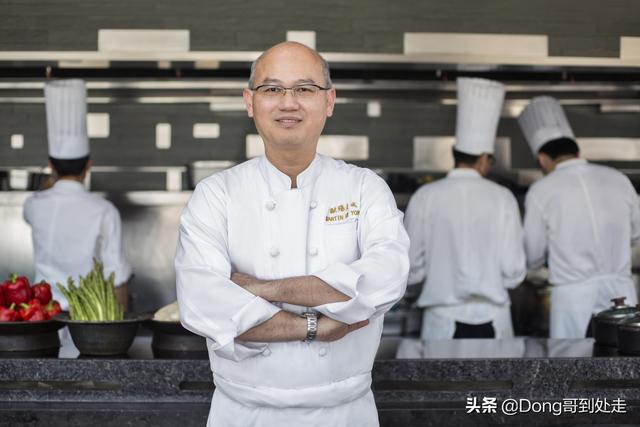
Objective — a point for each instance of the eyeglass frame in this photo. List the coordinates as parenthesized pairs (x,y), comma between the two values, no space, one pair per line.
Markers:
(255,89)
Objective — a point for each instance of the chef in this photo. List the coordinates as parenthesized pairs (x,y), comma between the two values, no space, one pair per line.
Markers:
(69,225)
(581,219)
(466,234)
(286,263)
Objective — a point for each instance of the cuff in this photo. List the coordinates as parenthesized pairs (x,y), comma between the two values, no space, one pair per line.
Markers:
(345,279)
(341,277)
(252,314)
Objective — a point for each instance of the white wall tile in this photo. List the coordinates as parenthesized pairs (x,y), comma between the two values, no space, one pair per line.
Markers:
(98,125)
(143,40)
(163,136)
(307,38)
(17,141)
(206,130)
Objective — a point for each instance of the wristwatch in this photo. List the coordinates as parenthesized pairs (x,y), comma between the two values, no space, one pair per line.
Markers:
(312,326)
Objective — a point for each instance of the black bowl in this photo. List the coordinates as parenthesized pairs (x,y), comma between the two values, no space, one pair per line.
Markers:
(172,341)
(29,339)
(102,338)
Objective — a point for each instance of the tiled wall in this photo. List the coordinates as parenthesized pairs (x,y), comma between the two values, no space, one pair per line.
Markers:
(574,28)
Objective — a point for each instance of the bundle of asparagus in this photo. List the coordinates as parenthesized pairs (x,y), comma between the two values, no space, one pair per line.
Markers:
(95,298)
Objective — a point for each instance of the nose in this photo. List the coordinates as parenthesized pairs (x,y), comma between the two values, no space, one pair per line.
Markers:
(289,101)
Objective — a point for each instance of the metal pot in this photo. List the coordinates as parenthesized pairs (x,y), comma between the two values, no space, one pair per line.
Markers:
(629,334)
(29,339)
(172,341)
(102,338)
(605,323)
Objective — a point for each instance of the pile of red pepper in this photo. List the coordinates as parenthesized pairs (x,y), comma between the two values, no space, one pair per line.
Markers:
(19,301)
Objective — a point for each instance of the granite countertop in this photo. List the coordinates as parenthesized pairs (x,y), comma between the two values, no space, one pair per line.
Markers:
(414,383)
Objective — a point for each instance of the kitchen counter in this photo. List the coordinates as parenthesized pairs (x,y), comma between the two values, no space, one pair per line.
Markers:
(414,383)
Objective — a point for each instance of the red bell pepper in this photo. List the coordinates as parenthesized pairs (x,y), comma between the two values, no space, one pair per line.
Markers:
(1,295)
(42,292)
(9,314)
(33,311)
(53,308)
(17,290)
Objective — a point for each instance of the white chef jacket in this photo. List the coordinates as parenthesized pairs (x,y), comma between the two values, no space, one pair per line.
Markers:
(466,246)
(583,218)
(69,227)
(341,224)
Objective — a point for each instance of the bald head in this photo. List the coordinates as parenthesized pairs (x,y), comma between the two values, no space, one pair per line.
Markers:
(293,48)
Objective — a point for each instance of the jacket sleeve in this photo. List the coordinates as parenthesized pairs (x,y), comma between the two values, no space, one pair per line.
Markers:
(378,279)
(535,233)
(415,223)
(111,247)
(635,215)
(26,210)
(210,304)
(513,261)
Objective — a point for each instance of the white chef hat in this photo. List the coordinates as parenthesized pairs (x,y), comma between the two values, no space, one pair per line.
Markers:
(543,120)
(66,102)
(479,106)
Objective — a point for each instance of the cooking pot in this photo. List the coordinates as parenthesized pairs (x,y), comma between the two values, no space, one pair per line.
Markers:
(629,334)
(604,324)
(29,339)
(172,341)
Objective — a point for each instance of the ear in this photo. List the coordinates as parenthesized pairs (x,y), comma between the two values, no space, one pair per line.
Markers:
(545,162)
(331,101)
(247,96)
(484,164)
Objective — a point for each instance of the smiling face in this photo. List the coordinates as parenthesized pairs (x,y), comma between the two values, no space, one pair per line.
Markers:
(289,123)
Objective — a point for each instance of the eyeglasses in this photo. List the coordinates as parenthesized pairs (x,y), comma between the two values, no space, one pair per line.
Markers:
(306,91)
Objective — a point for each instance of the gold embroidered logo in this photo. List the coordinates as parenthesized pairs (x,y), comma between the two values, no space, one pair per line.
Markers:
(343,212)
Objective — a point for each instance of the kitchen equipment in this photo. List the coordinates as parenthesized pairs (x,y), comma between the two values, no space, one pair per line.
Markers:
(29,339)
(4,180)
(629,334)
(201,169)
(172,341)
(103,338)
(604,324)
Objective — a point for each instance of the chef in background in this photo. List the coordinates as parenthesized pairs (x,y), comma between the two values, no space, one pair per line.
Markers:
(69,225)
(580,218)
(465,231)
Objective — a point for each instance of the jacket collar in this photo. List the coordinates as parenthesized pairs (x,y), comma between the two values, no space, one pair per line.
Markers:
(68,186)
(463,173)
(570,163)
(279,181)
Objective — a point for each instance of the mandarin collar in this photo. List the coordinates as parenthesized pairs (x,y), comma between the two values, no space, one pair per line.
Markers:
(68,185)
(463,173)
(280,181)
(570,163)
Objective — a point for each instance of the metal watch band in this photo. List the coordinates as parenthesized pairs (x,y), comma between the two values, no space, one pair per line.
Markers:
(312,326)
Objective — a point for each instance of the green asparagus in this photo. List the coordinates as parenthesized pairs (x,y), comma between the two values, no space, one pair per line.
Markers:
(94,299)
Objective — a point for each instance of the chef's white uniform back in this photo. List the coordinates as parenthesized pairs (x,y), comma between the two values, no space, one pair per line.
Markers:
(466,234)
(582,219)
(70,226)
(341,224)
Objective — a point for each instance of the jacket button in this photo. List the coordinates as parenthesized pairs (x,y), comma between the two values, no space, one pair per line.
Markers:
(313,204)
(313,251)
(270,205)
(322,352)
(266,352)
(274,252)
